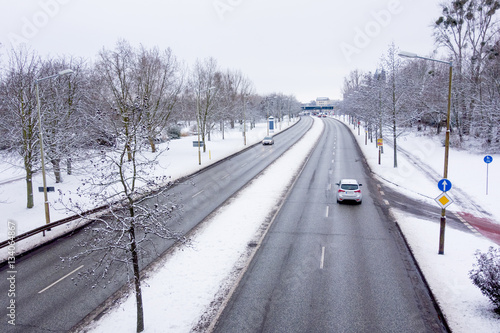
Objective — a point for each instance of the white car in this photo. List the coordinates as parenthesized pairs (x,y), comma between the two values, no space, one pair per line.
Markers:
(349,190)
(268,140)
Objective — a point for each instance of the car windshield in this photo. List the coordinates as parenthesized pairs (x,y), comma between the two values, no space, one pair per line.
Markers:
(349,187)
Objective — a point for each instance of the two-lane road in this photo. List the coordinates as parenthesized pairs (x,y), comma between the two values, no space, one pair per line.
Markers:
(328,267)
(47,298)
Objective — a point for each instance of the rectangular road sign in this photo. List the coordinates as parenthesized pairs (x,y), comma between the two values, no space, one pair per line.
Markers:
(198,144)
(49,189)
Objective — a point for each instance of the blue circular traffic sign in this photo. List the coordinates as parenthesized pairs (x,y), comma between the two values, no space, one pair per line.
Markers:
(488,159)
(444,185)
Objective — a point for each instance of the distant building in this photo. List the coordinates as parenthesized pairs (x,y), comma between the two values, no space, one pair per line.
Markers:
(322,101)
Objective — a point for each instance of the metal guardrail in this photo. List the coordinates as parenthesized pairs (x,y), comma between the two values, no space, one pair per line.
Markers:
(50,226)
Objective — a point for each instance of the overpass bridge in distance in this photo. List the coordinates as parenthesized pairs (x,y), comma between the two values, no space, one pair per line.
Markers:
(316,107)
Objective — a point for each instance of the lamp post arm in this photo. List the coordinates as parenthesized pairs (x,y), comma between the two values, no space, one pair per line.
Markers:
(416,56)
(450,63)
(61,73)
(46,78)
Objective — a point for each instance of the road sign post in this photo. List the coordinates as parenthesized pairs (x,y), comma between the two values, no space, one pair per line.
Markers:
(487,159)
(444,201)
(380,145)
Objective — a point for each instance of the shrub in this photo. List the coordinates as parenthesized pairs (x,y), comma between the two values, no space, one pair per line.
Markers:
(174,132)
(486,275)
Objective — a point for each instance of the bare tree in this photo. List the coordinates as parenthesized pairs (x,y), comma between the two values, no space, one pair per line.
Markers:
(467,28)
(384,101)
(122,175)
(233,94)
(482,29)
(159,82)
(20,120)
(117,75)
(430,95)
(492,98)
(205,84)
(62,103)
(245,92)
(139,211)
(352,82)
(398,104)
(353,100)
(229,98)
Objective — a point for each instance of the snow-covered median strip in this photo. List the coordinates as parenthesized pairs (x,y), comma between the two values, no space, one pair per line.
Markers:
(180,293)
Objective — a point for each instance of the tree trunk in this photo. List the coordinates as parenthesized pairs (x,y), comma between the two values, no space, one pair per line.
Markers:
(69,169)
(56,164)
(129,152)
(152,144)
(137,277)
(29,188)
(394,124)
(205,141)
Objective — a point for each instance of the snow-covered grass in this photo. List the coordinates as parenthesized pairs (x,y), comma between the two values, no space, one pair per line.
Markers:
(179,293)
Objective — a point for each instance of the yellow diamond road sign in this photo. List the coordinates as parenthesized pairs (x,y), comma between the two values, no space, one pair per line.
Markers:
(443,200)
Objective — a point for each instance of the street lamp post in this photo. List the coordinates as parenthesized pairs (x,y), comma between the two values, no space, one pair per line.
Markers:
(44,178)
(447,139)
(198,127)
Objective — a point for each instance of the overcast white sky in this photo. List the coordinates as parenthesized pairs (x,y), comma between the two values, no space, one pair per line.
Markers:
(300,47)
